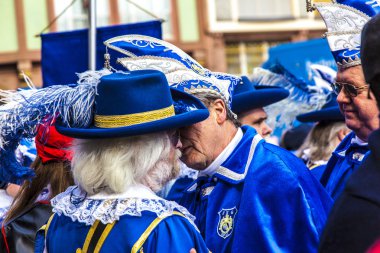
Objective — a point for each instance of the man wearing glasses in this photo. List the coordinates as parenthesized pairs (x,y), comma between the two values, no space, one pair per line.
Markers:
(354,222)
(355,100)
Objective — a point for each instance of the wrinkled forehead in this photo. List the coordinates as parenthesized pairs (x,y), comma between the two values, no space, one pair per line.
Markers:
(352,75)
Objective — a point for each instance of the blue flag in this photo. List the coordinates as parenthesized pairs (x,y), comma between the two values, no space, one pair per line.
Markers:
(66,53)
(297,57)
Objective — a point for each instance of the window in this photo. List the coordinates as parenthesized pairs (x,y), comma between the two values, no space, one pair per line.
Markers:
(129,13)
(253,10)
(302,8)
(244,56)
(8,27)
(264,10)
(76,17)
(223,10)
(233,59)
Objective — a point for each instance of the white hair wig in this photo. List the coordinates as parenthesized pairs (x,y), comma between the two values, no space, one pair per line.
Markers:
(112,165)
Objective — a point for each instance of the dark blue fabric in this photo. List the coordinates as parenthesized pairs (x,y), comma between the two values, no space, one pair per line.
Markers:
(344,161)
(140,91)
(354,222)
(318,171)
(371,8)
(298,56)
(173,234)
(66,53)
(329,112)
(346,54)
(142,47)
(12,171)
(15,163)
(277,206)
(248,96)
(176,191)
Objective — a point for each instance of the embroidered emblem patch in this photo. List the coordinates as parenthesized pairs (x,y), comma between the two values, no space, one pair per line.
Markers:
(226,222)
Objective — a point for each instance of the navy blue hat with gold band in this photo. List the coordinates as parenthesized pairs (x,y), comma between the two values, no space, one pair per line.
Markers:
(329,112)
(101,105)
(135,103)
(248,96)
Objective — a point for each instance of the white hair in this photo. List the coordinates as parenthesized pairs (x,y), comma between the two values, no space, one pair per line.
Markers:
(117,163)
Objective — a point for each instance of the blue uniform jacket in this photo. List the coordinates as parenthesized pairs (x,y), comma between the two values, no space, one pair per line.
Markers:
(172,234)
(346,159)
(262,199)
(318,171)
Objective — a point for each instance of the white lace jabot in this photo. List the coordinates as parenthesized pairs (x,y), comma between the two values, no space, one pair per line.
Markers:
(107,208)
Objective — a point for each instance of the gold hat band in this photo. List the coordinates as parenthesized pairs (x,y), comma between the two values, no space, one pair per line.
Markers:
(133,119)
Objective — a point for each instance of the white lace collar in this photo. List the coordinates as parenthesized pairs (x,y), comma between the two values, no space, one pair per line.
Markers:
(134,191)
(107,208)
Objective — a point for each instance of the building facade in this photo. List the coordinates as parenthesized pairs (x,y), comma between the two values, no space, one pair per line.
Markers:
(223,35)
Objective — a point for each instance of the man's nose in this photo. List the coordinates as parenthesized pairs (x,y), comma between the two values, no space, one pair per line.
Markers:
(179,144)
(342,97)
(267,130)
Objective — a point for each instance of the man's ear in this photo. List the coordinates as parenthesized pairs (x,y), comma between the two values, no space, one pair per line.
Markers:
(220,111)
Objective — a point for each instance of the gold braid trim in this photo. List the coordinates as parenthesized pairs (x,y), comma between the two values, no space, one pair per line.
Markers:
(133,119)
(140,242)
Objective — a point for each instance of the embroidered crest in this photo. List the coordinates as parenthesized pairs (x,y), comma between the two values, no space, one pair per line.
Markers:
(226,222)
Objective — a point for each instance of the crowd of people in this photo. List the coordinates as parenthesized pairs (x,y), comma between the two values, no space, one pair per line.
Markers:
(163,155)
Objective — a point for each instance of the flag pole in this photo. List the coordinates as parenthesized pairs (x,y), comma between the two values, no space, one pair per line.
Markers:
(92,35)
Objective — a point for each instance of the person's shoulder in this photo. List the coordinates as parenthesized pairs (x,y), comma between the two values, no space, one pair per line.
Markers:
(277,163)
(177,220)
(279,153)
(180,232)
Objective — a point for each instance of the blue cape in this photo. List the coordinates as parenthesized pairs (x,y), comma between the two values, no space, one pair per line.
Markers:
(263,199)
(343,162)
(173,234)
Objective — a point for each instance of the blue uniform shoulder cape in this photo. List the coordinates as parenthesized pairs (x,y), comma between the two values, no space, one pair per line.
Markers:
(262,199)
(176,191)
(318,171)
(346,159)
(172,234)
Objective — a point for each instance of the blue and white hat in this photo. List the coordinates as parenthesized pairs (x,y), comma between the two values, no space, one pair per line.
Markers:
(323,77)
(140,52)
(249,95)
(345,20)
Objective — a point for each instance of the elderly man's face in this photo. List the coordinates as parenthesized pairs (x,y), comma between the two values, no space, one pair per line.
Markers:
(256,118)
(360,112)
(198,143)
(175,153)
(204,141)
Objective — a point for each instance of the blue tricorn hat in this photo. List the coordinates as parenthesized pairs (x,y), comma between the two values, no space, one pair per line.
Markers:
(135,103)
(248,96)
(329,112)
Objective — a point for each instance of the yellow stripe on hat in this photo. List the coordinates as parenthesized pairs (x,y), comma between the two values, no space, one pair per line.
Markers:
(133,119)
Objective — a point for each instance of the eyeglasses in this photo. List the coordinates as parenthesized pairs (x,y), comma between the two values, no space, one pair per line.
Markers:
(350,89)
